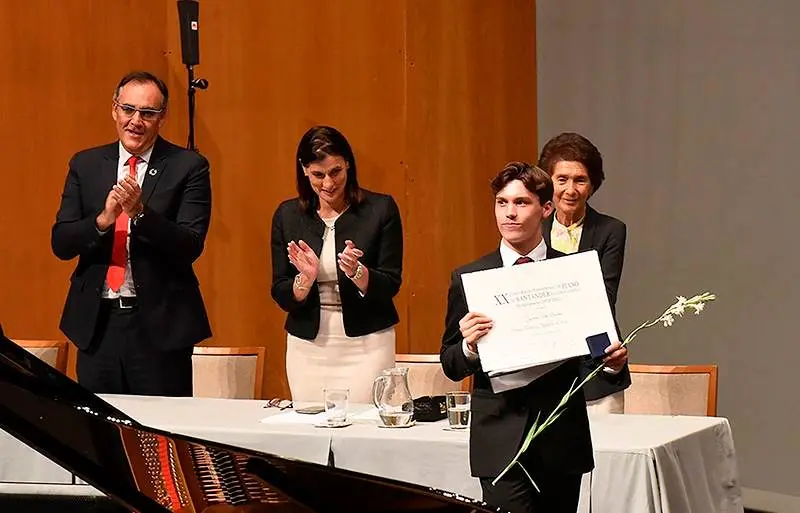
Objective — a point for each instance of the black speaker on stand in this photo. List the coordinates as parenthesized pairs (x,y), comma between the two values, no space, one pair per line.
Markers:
(188,14)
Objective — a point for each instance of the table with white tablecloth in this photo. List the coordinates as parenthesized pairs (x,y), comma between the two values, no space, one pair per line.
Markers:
(644,464)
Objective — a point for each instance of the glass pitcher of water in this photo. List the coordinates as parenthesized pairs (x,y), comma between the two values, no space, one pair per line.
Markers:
(391,396)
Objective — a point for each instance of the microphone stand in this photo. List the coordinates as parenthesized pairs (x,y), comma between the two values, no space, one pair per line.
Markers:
(194,84)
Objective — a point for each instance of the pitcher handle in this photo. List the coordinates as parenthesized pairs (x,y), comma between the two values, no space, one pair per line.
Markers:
(378,390)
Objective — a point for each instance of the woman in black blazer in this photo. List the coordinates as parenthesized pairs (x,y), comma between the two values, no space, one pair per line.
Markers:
(337,258)
(576,167)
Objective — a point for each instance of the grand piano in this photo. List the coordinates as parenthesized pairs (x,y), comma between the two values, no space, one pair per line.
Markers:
(147,470)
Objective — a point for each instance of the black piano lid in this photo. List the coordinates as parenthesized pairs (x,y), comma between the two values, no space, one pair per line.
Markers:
(149,470)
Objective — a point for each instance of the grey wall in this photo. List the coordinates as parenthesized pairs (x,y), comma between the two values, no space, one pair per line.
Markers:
(694,107)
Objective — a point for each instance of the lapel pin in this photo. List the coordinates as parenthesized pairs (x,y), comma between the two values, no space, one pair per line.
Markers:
(153,172)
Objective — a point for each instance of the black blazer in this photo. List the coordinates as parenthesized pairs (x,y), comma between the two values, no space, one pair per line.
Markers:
(606,235)
(374,227)
(163,245)
(501,421)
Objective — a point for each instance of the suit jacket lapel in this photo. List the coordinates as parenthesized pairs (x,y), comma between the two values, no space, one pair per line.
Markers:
(552,253)
(155,169)
(492,260)
(109,169)
(588,231)
(347,226)
(547,227)
(314,225)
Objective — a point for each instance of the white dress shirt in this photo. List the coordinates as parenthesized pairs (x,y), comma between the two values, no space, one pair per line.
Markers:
(127,289)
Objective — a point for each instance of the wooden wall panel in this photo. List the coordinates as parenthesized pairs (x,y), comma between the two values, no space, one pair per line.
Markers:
(434,96)
(61,61)
(471,106)
(275,69)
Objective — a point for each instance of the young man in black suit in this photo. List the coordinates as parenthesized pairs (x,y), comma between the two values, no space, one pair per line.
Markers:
(135,213)
(562,454)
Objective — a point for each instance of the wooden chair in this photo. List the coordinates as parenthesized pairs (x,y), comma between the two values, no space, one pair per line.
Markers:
(426,377)
(228,372)
(672,390)
(52,352)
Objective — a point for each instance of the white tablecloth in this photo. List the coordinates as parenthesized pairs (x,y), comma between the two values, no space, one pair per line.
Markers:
(644,464)
(670,464)
(234,422)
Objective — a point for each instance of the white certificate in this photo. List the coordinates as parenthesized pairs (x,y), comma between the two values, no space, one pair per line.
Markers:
(542,312)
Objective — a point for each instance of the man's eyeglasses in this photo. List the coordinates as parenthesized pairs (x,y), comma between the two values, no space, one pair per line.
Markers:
(281,404)
(146,114)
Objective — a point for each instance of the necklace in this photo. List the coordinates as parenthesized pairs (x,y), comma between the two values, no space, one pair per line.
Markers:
(330,227)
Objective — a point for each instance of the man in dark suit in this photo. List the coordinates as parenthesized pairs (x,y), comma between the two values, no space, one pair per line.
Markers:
(135,213)
(557,459)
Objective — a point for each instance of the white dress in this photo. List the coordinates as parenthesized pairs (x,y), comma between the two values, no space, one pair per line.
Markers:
(334,360)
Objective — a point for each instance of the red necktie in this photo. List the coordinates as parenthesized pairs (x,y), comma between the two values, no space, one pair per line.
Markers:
(119,251)
(523,260)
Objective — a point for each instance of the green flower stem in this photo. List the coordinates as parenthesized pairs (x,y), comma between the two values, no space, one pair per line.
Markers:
(695,303)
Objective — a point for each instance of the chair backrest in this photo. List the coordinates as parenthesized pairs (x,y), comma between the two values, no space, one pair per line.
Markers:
(53,352)
(672,390)
(426,377)
(228,372)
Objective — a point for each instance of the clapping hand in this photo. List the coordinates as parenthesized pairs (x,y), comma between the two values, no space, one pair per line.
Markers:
(111,210)
(129,195)
(348,259)
(303,258)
